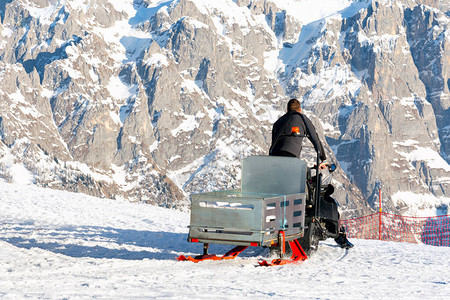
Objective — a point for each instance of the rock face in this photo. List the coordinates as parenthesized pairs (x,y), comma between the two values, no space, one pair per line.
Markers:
(376,79)
(151,102)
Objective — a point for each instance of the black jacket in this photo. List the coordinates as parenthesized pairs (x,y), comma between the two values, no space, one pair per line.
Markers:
(285,145)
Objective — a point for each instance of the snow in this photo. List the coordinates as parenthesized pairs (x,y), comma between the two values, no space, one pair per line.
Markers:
(158,60)
(190,86)
(56,244)
(19,103)
(187,125)
(196,24)
(432,158)
(44,14)
(233,107)
(120,176)
(329,128)
(117,88)
(60,245)
(238,15)
(308,11)
(6,33)
(406,143)
(145,12)
(18,97)
(420,205)
(21,175)
(182,176)
(47,93)
(85,169)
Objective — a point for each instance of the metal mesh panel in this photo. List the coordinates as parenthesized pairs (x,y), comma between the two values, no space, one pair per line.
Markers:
(389,227)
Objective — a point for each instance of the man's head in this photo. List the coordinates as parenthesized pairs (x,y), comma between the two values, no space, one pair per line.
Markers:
(293,105)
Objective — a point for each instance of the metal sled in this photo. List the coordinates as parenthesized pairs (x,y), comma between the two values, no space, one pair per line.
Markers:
(267,211)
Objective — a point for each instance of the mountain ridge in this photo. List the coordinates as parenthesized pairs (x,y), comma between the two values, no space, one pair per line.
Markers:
(153,100)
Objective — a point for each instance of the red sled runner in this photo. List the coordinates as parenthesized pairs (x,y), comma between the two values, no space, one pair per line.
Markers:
(298,255)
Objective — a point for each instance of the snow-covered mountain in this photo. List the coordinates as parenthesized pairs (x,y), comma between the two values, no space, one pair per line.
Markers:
(152,100)
(61,245)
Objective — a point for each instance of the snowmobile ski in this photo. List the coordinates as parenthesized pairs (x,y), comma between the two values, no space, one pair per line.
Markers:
(343,242)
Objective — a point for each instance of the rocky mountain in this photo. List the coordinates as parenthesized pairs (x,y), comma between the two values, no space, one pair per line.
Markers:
(150,100)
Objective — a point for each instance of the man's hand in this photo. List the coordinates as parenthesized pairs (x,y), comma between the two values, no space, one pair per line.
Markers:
(323,165)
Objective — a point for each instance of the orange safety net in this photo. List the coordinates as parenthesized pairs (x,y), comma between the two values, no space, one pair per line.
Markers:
(389,227)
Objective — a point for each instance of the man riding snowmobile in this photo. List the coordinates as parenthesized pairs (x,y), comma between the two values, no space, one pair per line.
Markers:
(322,216)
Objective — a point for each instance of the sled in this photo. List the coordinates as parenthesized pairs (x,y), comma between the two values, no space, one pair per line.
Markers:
(279,204)
(267,211)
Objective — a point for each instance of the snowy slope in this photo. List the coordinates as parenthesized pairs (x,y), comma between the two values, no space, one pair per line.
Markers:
(60,245)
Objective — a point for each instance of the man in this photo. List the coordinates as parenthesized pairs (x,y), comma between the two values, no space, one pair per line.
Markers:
(284,141)
(287,137)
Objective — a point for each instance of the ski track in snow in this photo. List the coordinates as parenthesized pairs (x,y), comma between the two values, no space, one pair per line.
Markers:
(61,245)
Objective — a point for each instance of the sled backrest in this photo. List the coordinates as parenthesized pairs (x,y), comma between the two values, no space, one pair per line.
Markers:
(273,175)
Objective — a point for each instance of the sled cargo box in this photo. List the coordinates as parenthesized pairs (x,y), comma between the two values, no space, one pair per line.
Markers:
(271,199)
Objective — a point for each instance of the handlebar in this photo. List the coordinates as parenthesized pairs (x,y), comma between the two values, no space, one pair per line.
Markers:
(331,167)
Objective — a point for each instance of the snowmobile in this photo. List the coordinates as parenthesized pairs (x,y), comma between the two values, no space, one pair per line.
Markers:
(278,206)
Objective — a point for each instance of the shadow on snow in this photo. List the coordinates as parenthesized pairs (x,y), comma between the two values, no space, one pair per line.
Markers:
(97,242)
(107,242)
